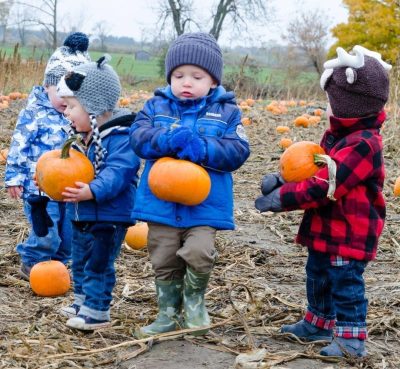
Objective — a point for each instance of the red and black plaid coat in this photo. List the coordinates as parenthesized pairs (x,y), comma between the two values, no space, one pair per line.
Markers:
(349,227)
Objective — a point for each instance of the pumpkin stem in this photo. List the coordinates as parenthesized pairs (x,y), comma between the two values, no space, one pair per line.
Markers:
(67,146)
(326,159)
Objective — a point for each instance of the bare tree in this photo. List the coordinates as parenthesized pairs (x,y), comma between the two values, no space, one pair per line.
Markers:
(5,7)
(309,33)
(45,15)
(101,31)
(238,12)
(19,19)
(179,11)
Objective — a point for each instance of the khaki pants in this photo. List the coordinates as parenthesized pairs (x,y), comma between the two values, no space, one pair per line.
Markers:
(172,249)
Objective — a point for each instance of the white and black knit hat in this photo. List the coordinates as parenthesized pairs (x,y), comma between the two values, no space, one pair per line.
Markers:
(198,48)
(65,58)
(95,85)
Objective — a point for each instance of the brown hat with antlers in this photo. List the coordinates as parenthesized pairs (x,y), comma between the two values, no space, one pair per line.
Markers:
(357,85)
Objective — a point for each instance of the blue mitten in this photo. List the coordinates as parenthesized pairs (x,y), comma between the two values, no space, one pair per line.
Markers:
(187,145)
(270,202)
(41,220)
(180,138)
(270,182)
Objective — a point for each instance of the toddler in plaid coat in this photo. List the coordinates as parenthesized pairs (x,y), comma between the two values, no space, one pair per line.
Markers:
(341,235)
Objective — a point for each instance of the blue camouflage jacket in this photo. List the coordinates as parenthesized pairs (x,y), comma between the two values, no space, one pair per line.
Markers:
(217,120)
(115,185)
(40,128)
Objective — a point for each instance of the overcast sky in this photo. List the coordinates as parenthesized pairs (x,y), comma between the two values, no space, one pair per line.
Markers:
(137,18)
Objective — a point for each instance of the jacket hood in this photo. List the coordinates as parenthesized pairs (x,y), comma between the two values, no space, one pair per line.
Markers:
(344,126)
(120,118)
(38,96)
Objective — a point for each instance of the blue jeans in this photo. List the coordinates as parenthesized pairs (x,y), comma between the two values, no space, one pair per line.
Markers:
(56,245)
(93,258)
(336,291)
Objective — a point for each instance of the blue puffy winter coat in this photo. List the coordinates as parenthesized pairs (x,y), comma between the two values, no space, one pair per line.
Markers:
(217,120)
(115,185)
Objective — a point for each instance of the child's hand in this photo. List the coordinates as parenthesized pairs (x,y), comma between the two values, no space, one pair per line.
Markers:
(81,193)
(187,145)
(270,202)
(270,182)
(15,192)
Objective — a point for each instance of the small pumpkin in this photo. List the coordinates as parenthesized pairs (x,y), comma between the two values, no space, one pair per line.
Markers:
(302,121)
(298,162)
(246,121)
(15,95)
(136,236)
(180,181)
(282,129)
(284,143)
(50,278)
(3,156)
(396,189)
(57,169)
(302,160)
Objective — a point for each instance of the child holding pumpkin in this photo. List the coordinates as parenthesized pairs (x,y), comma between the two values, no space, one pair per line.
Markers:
(40,128)
(102,207)
(341,235)
(195,119)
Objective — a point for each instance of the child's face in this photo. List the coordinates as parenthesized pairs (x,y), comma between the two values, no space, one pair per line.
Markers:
(191,82)
(77,115)
(57,102)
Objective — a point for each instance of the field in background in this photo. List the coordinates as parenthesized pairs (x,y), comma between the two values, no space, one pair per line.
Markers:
(17,74)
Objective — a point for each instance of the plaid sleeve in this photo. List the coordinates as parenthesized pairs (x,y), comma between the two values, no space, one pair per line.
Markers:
(355,163)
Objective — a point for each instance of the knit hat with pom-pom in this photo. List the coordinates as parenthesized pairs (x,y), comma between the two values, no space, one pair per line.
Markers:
(65,58)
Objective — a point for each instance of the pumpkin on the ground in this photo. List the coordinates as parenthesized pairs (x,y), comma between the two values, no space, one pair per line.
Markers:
(50,278)
(284,143)
(396,189)
(179,181)
(3,155)
(57,169)
(136,236)
(282,129)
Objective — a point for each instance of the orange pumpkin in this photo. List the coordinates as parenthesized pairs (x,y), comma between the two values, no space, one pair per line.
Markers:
(179,181)
(50,278)
(302,121)
(298,161)
(3,155)
(15,95)
(246,121)
(282,129)
(57,169)
(396,189)
(318,112)
(136,236)
(284,143)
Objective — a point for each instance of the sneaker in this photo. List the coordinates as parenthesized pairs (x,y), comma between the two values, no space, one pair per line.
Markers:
(341,347)
(24,271)
(86,323)
(308,332)
(70,311)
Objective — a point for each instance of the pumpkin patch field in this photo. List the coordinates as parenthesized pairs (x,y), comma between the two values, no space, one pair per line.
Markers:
(257,285)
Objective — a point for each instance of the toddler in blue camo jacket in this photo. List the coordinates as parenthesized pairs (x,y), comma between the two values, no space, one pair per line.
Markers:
(195,119)
(41,127)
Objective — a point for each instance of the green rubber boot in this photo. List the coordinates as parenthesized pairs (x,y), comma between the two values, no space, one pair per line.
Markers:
(169,298)
(194,310)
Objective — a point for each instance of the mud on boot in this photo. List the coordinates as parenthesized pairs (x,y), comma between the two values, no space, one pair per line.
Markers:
(307,331)
(345,347)
(169,299)
(194,310)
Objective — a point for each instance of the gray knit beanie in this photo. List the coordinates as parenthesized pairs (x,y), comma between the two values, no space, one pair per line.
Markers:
(95,85)
(357,84)
(200,49)
(71,54)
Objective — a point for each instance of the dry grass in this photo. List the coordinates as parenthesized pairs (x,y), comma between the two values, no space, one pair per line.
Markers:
(20,75)
(258,259)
